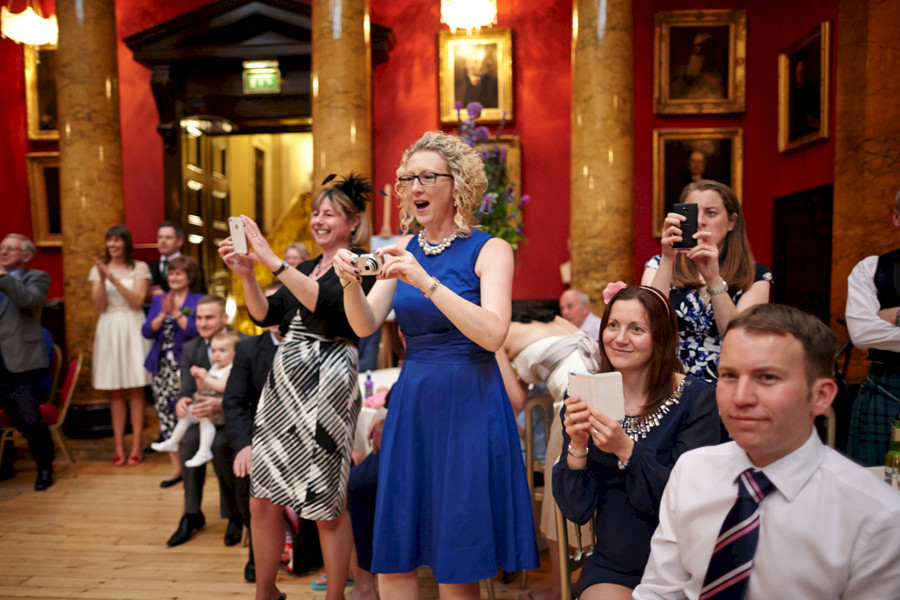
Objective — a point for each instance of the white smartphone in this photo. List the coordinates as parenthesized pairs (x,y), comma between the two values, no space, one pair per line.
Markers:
(238,235)
(603,391)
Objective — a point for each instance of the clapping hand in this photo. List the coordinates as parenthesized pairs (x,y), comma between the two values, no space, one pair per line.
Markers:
(169,306)
(102,269)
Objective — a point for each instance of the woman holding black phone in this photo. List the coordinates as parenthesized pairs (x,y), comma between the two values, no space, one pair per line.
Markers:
(709,284)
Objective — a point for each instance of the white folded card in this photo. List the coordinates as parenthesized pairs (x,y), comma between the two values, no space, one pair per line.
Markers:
(601,390)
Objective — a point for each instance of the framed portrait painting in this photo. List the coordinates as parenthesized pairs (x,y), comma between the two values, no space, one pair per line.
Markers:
(40,92)
(700,62)
(476,68)
(44,192)
(681,156)
(804,70)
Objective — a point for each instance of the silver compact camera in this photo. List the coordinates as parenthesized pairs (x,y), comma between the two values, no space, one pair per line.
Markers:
(369,264)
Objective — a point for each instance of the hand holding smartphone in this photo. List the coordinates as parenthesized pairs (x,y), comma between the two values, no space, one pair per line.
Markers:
(688,226)
(238,235)
(603,391)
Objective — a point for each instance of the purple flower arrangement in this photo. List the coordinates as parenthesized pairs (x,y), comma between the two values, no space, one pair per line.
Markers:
(500,212)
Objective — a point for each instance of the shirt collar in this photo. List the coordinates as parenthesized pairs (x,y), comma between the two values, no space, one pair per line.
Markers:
(275,339)
(169,258)
(789,473)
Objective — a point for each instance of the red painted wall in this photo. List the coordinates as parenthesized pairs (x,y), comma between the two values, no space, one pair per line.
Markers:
(406,104)
(15,206)
(768,174)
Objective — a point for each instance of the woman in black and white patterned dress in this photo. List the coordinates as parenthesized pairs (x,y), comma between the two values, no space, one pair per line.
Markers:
(708,285)
(306,417)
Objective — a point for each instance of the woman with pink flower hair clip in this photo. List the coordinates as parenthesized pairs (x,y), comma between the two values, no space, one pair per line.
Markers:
(615,471)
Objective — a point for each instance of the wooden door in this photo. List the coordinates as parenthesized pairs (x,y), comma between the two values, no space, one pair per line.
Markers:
(206,205)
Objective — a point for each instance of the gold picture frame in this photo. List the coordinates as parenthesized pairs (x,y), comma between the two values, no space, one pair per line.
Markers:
(44,192)
(700,60)
(675,163)
(40,92)
(804,90)
(489,55)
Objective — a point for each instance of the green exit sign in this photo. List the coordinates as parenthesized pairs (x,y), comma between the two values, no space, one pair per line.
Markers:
(262,81)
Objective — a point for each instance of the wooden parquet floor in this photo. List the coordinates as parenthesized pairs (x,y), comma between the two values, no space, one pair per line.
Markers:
(102,535)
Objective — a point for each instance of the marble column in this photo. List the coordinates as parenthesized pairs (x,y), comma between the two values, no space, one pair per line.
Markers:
(90,151)
(602,176)
(867,152)
(342,89)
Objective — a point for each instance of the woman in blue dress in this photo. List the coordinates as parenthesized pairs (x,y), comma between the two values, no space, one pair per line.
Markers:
(617,470)
(452,492)
(710,284)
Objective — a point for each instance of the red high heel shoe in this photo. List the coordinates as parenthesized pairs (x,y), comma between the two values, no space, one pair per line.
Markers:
(134,459)
(118,461)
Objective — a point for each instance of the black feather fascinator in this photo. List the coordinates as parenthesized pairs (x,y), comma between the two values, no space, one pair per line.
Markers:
(356,187)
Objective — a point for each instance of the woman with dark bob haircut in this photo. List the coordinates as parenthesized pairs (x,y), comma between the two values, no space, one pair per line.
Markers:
(708,285)
(617,470)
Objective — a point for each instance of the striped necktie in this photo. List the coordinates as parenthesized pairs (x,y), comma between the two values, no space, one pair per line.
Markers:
(732,558)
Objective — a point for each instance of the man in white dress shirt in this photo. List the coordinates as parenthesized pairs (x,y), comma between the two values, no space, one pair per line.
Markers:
(873,319)
(575,307)
(829,529)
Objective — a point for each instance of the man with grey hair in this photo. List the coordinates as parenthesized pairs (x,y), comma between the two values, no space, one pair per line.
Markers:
(575,307)
(23,353)
(873,319)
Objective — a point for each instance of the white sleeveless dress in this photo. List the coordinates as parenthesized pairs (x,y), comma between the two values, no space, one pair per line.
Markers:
(119,347)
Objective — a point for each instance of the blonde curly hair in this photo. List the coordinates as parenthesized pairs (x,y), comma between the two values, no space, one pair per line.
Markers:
(469,180)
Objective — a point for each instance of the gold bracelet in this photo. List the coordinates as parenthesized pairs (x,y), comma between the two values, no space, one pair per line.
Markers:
(434,286)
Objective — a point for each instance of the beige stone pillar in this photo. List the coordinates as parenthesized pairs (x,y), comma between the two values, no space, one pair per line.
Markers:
(90,156)
(342,89)
(867,130)
(602,176)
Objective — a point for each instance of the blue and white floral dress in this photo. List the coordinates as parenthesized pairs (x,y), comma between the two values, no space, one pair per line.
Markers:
(700,341)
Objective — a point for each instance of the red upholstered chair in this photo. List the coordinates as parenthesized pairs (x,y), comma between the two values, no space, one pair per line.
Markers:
(54,414)
(56,363)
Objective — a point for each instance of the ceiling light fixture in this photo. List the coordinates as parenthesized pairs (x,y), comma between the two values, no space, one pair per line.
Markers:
(28,26)
(468,14)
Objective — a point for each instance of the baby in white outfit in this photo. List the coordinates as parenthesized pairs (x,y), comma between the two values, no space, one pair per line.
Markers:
(209,383)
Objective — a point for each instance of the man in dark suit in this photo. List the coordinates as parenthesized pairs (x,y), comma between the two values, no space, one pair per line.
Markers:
(250,368)
(23,354)
(210,320)
(169,239)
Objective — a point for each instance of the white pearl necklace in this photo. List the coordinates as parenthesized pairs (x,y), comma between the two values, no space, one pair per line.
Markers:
(430,250)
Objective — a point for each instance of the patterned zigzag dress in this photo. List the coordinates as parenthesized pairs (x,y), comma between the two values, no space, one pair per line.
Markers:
(304,424)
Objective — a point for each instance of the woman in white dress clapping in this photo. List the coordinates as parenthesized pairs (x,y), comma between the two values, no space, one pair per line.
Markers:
(118,287)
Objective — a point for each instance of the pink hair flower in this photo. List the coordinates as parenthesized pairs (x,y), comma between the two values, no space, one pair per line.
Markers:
(611,289)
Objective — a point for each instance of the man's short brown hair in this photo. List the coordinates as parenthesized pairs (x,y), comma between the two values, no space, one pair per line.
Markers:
(818,341)
(212,299)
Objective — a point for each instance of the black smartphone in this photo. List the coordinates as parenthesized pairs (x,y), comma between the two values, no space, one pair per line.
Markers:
(688,227)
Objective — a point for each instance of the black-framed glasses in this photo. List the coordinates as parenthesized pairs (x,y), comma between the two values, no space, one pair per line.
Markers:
(425,179)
